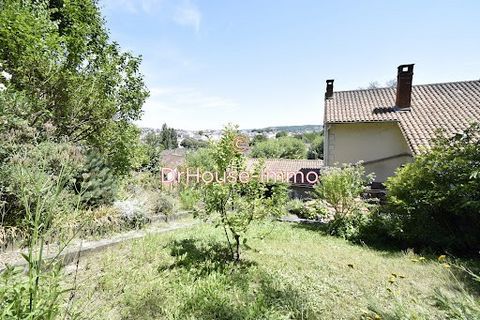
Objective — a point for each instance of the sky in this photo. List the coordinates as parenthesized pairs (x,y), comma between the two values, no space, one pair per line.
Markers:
(259,63)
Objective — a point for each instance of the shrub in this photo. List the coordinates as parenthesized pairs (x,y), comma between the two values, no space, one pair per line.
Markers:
(342,188)
(284,148)
(234,204)
(435,200)
(101,221)
(32,174)
(133,212)
(35,291)
(96,181)
(313,209)
(296,207)
(315,151)
(162,204)
(189,197)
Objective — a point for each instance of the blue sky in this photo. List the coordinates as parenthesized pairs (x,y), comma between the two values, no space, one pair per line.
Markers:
(260,63)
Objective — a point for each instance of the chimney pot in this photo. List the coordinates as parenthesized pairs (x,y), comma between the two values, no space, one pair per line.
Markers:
(329,92)
(404,86)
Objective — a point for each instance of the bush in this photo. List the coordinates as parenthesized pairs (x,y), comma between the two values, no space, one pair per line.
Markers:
(133,212)
(283,148)
(435,200)
(341,189)
(162,204)
(33,174)
(297,207)
(315,151)
(313,209)
(96,182)
(189,197)
(35,291)
(102,221)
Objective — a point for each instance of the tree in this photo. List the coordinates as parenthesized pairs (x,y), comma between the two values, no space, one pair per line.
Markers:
(192,143)
(168,137)
(154,142)
(284,148)
(75,79)
(258,138)
(315,151)
(238,201)
(281,134)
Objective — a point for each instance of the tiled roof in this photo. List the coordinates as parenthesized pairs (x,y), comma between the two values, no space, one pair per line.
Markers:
(289,166)
(173,158)
(448,106)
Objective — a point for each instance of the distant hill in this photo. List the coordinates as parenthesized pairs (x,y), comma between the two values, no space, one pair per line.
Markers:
(293,129)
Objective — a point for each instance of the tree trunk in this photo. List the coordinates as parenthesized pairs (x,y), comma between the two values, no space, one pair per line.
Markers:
(237,252)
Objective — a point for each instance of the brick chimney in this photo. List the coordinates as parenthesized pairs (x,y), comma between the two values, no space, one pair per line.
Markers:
(404,87)
(329,92)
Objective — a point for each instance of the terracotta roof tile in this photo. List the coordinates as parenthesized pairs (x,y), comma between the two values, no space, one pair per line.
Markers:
(288,167)
(448,106)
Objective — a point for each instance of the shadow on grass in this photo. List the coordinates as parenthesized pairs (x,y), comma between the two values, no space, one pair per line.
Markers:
(221,288)
(382,244)
(201,257)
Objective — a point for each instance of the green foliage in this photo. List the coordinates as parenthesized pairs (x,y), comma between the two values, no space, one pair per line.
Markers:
(154,143)
(310,137)
(192,143)
(281,134)
(311,209)
(342,188)
(168,137)
(68,77)
(96,182)
(315,150)
(30,174)
(461,304)
(35,293)
(15,299)
(297,207)
(163,204)
(284,148)
(189,197)
(238,202)
(258,138)
(203,159)
(100,222)
(293,271)
(435,201)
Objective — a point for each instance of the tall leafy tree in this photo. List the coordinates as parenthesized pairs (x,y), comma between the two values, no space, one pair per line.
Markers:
(60,57)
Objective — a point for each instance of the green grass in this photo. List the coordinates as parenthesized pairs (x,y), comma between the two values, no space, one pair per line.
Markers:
(289,272)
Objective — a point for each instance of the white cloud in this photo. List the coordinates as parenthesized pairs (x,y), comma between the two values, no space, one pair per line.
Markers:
(185,108)
(187,14)
(187,99)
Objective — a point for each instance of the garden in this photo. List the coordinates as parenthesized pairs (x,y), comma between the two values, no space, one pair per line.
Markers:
(76,170)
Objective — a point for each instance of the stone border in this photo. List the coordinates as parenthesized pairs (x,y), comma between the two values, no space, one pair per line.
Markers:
(82,248)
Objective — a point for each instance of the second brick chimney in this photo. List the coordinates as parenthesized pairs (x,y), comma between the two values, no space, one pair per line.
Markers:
(329,91)
(404,87)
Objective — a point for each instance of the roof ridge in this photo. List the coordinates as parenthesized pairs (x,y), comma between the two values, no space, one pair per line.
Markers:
(415,85)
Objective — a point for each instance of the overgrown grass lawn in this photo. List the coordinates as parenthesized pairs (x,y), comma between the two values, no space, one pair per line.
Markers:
(288,272)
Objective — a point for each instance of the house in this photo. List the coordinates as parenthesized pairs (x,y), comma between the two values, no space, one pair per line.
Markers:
(300,174)
(386,127)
